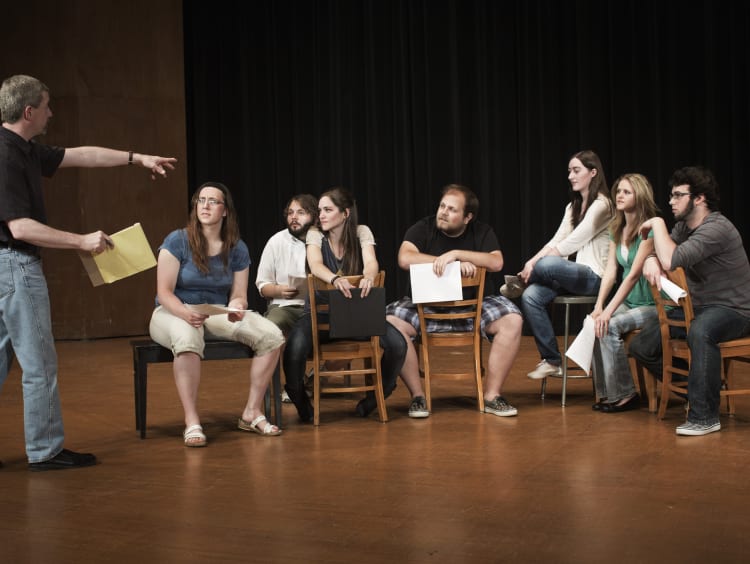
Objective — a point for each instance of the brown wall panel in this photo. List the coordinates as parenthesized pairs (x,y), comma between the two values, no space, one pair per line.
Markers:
(115,71)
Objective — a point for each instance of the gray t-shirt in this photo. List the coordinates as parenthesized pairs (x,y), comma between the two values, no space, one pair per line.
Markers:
(715,263)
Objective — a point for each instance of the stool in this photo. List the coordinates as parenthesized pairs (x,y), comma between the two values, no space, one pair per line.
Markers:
(146,351)
(568,301)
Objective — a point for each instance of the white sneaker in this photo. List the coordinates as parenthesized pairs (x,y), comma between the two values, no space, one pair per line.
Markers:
(697,429)
(544,369)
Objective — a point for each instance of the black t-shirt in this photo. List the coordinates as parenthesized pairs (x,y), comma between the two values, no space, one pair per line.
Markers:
(428,239)
(22,165)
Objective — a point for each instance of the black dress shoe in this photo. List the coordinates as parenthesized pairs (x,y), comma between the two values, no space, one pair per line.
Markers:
(65,459)
(633,403)
(599,405)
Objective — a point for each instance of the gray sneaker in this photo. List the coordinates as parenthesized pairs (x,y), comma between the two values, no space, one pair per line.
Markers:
(513,287)
(418,408)
(500,407)
(544,369)
(696,429)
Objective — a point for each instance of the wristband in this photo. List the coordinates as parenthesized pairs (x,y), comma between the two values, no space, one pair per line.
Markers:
(130,157)
(334,279)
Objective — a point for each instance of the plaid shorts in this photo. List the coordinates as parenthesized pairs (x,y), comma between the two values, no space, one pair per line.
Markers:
(493,308)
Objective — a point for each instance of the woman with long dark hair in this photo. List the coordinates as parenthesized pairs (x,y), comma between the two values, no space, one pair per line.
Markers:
(341,247)
(208,263)
(583,232)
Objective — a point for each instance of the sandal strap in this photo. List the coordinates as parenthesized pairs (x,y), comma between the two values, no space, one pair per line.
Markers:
(194,432)
(268,429)
(257,420)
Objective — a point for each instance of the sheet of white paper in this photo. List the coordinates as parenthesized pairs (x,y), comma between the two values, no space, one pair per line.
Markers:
(298,282)
(672,290)
(581,350)
(428,287)
(210,309)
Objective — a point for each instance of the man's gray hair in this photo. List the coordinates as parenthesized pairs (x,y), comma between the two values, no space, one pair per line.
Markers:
(16,93)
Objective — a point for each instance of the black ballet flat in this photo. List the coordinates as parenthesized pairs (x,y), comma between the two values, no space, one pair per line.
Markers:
(632,403)
(598,406)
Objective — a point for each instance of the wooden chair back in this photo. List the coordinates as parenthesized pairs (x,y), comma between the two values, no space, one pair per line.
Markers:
(464,309)
(349,358)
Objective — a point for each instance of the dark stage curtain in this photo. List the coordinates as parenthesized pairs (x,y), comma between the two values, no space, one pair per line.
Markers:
(396,98)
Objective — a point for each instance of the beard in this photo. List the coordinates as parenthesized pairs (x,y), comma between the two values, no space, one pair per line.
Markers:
(300,231)
(688,210)
(453,231)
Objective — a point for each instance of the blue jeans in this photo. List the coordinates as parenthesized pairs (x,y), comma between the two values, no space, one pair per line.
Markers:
(299,345)
(612,376)
(711,326)
(553,276)
(25,325)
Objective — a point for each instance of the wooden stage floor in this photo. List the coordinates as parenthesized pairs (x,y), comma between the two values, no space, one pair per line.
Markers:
(550,485)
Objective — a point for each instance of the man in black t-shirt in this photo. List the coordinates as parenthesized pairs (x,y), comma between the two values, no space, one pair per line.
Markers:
(25,324)
(454,234)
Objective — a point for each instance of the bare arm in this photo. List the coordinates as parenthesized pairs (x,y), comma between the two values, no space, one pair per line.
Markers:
(664,247)
(370,269)
(95,157)
(41,235)
(317,267)
(608,281)
(238,293)
(409,254)
(528,267)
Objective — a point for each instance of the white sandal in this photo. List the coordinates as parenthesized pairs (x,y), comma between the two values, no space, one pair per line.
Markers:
(194,436)
(269,430)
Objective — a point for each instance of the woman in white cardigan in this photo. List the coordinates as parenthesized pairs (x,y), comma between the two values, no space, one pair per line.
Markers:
(548,273)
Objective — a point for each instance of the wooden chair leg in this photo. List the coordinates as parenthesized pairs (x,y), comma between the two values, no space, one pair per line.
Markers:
(316,393)
(666,391)
(646,383)
(379,394)
(478,375)
(728,382)
(426,367)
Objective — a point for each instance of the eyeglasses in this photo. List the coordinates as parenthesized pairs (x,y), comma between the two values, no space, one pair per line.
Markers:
(211,202)
(677,195)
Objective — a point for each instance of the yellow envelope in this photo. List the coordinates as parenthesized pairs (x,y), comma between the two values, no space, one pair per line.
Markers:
(130,255)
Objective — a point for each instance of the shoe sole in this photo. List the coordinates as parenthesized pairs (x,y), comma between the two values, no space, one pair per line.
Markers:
(419,415)
(507,413)
(535,376)
(691,433)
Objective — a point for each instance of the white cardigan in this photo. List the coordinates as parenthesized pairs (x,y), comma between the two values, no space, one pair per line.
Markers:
(590,238)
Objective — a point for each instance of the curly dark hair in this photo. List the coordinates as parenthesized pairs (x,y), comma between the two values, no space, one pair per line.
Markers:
(702,182)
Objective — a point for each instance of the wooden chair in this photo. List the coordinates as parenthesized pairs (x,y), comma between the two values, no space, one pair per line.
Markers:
(645,381)
(737,349)
(449,311)
(367,351)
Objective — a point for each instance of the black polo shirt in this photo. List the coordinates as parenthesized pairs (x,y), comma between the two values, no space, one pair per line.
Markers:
(22,165)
